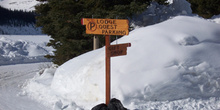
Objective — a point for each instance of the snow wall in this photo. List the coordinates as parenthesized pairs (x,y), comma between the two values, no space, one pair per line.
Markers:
(176,59)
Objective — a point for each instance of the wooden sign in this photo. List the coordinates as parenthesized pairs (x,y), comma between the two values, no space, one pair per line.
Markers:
(118,50)
(106,26)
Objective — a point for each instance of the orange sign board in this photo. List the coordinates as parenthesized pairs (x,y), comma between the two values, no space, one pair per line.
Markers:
(106,26)
(118,50)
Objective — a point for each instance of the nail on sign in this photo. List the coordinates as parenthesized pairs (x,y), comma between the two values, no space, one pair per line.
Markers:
(106,26)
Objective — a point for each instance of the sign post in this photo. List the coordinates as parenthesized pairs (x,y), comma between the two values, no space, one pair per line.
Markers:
(108,27)
(107,70)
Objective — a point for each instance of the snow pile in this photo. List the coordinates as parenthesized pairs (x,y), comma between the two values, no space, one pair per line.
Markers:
(26,5)
(22,51)
(216,19)
(171,65)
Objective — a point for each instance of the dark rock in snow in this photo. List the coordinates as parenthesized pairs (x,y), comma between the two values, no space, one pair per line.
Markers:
(114,104)
(100,107)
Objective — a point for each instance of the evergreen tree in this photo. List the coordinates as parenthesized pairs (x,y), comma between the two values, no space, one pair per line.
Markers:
(205,8)
(16,17)
(61,20)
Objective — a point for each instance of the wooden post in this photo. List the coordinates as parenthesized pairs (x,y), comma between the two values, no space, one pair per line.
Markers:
(107,69)
(95,42)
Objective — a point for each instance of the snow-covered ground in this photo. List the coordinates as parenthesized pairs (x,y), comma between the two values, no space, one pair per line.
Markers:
(16,49)
(171,65)
(12,78)
(19,55)
(27,5)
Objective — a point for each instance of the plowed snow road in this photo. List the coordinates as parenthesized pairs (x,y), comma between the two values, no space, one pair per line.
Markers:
(12,79)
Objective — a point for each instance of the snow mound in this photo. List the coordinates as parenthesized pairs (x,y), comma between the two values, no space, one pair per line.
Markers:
(216,18)
(172,64)
(21,51)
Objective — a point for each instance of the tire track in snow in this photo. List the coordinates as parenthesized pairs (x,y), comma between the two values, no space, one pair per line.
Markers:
(12,79)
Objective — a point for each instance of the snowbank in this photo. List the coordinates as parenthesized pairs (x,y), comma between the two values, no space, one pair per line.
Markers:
(14,51)
(216,18)
(174,64)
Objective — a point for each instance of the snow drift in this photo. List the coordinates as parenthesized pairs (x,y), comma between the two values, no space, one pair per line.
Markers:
(177,60)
